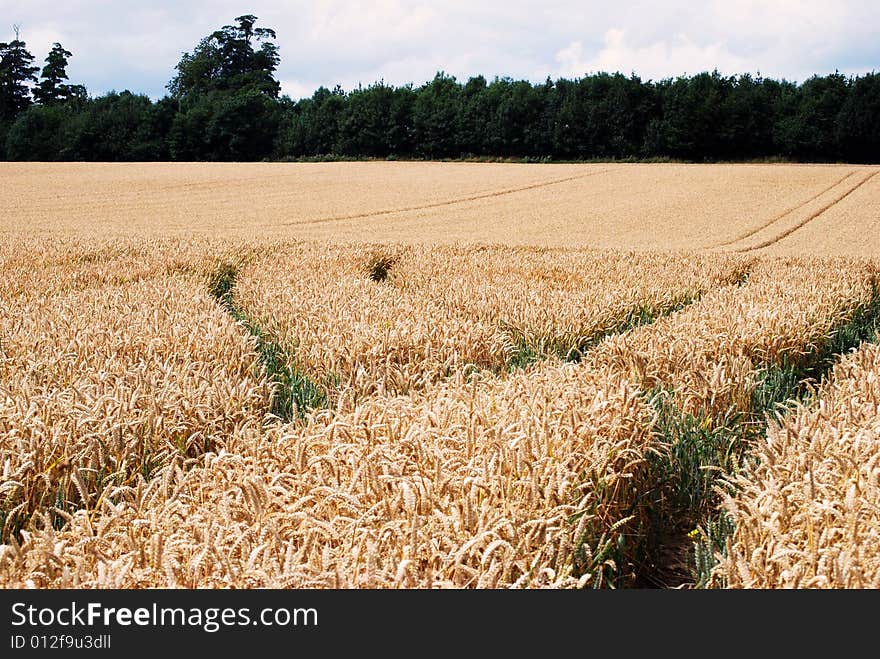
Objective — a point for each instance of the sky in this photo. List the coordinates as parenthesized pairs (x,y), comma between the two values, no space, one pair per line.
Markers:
(135,45)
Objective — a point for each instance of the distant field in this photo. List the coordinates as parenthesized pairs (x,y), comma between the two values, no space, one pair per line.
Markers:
(823,209)
(413,375)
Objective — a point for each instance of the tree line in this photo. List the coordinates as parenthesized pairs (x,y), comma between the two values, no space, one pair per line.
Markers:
(224,103)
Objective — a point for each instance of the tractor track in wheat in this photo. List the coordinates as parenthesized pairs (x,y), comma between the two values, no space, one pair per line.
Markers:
(785,213)
(775,239)
(448,202)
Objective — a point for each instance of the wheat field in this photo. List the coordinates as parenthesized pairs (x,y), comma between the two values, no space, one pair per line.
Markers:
(439,375)
(794,209)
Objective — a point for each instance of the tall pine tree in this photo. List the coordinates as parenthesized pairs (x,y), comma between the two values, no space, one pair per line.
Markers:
(16,70)
(52,88)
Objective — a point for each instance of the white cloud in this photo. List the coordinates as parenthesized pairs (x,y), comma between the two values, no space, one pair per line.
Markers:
(298,89)
(325,42)
(662,59)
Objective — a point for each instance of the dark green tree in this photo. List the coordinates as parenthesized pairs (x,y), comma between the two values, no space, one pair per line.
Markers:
(693,110)
(568,109)
(314,127)
(118,126)
(515,114)
(224,126)
(376,121)
(435,117)
(52,88)
(858,122)
(16,71)
(746,120)
(810,132)
(622,109)
(42,132)
(474,115)
(226,60)
(227,95)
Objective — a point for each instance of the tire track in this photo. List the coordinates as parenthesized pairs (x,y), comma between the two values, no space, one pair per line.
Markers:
(448,202)
(809,219)
(776,218)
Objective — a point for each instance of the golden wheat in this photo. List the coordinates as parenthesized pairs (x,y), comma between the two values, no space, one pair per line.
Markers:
(806,513)
(629,206)
(489,484)
(136,444)
(712,354)
(100,384)
(444,310)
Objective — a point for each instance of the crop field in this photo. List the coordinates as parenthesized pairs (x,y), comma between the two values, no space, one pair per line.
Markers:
(439,375)
(793,209)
